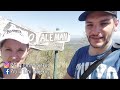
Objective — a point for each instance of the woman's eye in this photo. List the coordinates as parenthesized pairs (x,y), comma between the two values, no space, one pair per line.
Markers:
(8,49)
(21,50)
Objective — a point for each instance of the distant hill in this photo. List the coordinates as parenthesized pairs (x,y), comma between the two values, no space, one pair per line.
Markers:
(77,42)
(76,36)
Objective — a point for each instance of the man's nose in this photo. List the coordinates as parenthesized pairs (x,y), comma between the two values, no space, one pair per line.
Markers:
(96,30)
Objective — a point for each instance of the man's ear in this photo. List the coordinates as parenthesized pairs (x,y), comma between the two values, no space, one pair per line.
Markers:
(116,24)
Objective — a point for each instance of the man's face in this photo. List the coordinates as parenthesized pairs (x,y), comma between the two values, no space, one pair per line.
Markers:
(14,51)
(99,27)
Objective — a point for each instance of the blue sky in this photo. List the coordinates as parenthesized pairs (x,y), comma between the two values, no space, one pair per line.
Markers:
(49,20)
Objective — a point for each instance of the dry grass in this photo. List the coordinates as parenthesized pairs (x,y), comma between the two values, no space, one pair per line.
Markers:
(47,59)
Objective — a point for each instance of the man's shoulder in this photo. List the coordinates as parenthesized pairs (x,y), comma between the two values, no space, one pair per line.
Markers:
(84,48)
(115,54)
(113,58)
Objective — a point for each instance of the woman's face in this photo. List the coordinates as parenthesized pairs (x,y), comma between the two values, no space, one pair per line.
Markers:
(14,51)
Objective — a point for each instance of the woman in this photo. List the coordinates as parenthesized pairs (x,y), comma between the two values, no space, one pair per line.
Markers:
(14,45)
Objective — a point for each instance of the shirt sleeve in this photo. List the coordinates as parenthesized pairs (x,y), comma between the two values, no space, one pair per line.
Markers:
(119,74)
(119,69)
(72,66)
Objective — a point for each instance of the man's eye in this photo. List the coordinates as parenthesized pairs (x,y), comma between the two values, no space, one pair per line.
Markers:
(89,25)
(103,24)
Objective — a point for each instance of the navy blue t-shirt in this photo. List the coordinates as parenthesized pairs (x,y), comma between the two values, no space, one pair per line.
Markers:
(108,69)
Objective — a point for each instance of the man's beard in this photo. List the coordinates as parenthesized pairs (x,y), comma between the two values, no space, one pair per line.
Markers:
(104,39)
(106,42)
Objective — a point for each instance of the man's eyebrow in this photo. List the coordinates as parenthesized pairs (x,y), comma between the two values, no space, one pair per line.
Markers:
(105,20)
(88,22)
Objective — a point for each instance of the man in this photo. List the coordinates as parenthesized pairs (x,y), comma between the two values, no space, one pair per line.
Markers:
(99,27)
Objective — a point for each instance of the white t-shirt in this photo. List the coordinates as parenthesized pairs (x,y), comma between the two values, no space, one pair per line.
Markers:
(24,74)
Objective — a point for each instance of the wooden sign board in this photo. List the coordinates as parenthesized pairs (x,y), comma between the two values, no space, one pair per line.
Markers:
(39,40)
